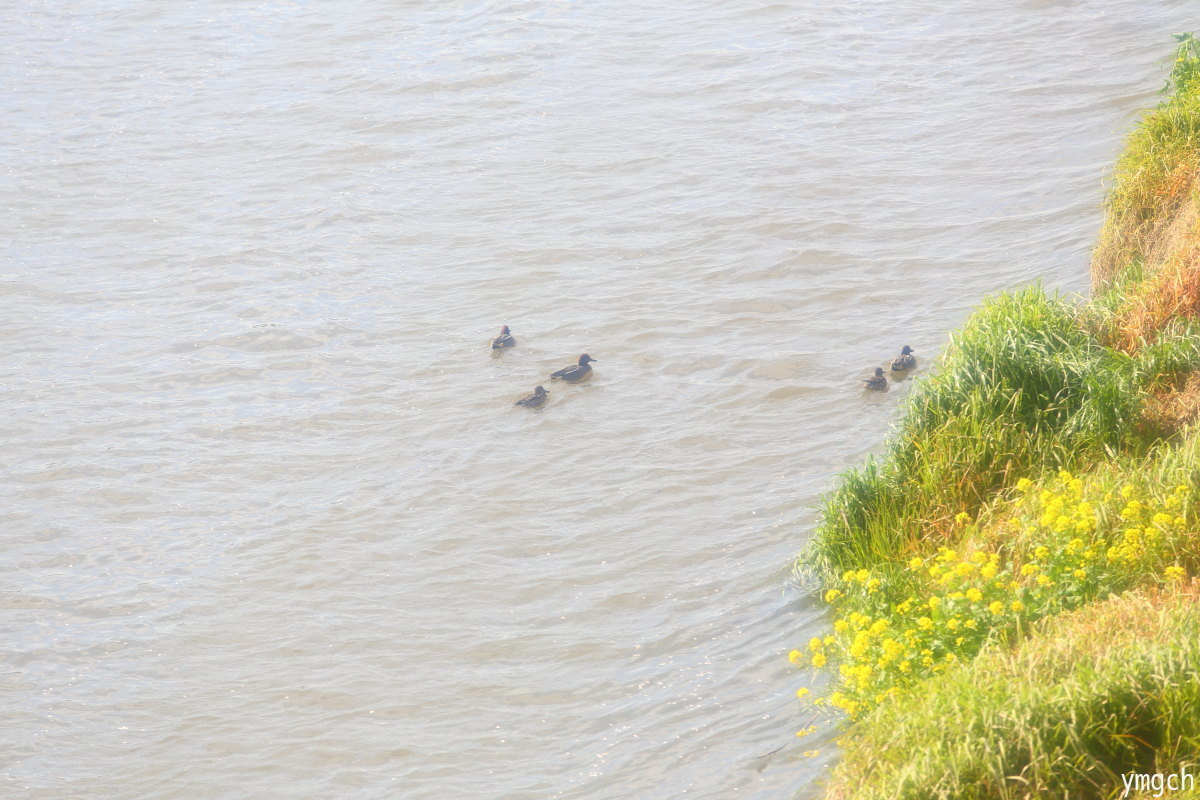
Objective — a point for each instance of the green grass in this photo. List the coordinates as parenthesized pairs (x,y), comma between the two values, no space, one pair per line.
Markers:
(1021,390)
(1094,695)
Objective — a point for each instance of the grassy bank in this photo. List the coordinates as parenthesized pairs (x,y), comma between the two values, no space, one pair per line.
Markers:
(1042,490)
(1105,691)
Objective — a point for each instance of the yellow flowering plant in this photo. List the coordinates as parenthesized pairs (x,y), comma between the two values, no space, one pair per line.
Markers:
(1064,544)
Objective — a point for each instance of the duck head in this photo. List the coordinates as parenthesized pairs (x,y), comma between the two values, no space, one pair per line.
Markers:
(905,350)
(504,330)
(539,391)
(585,359)
(879,372)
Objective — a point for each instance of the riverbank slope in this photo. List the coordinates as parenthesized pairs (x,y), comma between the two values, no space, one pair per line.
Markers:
(1011,580)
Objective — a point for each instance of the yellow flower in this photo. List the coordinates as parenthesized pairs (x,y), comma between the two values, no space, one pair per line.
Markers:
(840,626)
(873,585)
(1131,510)
(952,623)
(806,731)
(1017,606)
(862,575)
(971,624)
(1029,569)
(1080,574)
(1024,485)
(988,571)
(1044,580)
(916,562)
(1175,573)
(1064,476)
(818,660)
(996,607)
(962,518)
(859,647)
(814,643)
(1041,553)
(925,623)
(934,602)
(831,595)
(815,753)
(974,595)
(795,656)
(802,692)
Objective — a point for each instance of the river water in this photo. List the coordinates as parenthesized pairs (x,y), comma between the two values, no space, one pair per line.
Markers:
(272,527)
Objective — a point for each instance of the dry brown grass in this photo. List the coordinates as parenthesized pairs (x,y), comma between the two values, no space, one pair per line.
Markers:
(1170,291)
(1168,411)
(1147,225)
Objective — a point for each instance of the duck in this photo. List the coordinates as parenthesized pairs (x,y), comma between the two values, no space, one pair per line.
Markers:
(577,372)
(505,339)
(906,360)
(876,381)
(535,400)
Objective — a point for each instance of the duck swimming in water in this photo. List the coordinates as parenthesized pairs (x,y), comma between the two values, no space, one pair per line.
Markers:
(575,373)
(505,339)
(535,400)
(876,381)
(906,360)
